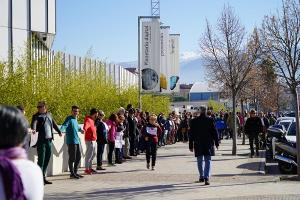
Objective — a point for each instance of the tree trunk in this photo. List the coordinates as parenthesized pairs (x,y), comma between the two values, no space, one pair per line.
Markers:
(242,113)
(297,130)
(234,144)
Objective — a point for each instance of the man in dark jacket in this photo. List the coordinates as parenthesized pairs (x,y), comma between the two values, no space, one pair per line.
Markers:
(203,137)
(253,127)
(132,131)
(43,123)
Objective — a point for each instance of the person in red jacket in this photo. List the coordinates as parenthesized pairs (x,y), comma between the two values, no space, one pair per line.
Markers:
(151,132)
(90,137)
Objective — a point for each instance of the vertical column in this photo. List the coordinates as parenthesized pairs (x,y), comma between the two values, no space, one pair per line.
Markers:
(10,35)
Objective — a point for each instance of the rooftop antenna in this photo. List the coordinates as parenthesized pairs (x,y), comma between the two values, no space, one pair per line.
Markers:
(155,8)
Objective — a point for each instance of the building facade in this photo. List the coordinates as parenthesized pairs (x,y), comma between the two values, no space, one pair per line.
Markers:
(26,25)
(204,92)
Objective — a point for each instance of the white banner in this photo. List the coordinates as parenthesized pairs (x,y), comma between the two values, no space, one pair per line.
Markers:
(150,60)
(174,62)
(164,59)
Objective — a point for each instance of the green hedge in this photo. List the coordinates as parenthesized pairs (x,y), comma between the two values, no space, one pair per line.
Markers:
(60,88)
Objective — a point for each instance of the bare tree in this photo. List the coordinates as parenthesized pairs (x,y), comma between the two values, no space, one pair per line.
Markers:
(281,36)
(229,56)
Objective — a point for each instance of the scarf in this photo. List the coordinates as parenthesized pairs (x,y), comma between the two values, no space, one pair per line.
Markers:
(13,185)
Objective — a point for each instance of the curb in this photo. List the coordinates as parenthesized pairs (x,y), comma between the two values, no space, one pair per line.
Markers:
(262,163)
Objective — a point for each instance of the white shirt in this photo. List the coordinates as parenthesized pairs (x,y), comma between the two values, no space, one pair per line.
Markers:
(32,179)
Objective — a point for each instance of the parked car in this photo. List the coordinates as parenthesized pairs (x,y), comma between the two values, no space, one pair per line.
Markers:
(282,123)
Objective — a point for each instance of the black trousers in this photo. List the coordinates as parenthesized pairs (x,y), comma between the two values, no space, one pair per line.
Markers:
(151,149)
(111,147)
(253,138)
(100,151)
(74,157)
(132,145)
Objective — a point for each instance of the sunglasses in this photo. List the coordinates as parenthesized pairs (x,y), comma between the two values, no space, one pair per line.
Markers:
(40,106)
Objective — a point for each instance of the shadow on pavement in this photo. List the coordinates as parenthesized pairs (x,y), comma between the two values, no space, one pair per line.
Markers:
(154,190)
(253,166)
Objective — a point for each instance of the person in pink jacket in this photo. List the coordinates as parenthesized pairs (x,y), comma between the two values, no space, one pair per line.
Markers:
(111,136)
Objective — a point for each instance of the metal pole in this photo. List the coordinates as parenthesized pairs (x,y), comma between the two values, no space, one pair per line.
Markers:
(297,131)
(139,64)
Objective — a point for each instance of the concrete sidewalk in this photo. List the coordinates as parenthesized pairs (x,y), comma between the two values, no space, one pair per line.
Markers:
(174,178)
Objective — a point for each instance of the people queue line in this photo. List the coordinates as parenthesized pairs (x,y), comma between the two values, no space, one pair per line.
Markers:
(127,133)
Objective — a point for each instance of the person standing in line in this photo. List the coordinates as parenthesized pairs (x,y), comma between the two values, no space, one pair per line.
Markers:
(151,132)
(126,145)
(253,127)
(90,136)
(132,130)
(20,178)
(119,139)
(43,123)
(29,131)
(71,128)
(102,129)
(111,136)
(203,138)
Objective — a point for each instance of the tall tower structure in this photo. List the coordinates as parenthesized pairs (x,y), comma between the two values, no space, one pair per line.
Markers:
(155,8)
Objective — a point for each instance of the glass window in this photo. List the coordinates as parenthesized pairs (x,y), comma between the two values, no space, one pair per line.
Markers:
(292,130)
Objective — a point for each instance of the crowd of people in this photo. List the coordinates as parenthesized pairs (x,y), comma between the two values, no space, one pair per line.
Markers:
(126,133)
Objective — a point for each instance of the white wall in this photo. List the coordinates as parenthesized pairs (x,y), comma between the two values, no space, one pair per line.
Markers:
(59,158)
(3,30)
(38,15)
(51,16)
(3,44)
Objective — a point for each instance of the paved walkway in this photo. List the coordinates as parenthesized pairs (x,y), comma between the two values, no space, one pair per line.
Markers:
(234,177)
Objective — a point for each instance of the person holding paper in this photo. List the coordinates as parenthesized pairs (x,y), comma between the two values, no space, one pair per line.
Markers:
(151,132)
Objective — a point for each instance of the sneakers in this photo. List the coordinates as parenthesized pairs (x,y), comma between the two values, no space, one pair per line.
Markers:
(201,180)
(153,168)
(46,182)
(74,176)
(88,171)
(80,176)
(100,168)
(207,181)
(148,165)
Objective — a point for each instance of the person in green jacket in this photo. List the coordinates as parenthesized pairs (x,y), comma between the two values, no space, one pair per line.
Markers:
(71,128)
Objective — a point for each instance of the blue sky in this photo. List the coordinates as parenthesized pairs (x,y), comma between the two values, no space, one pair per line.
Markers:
(109,27)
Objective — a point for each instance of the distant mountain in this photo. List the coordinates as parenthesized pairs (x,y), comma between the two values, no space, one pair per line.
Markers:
(191,68)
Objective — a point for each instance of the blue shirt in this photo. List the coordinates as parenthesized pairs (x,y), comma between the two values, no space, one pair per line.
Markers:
(71,127)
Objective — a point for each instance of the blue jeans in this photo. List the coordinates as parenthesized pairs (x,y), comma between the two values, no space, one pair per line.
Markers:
(204,171)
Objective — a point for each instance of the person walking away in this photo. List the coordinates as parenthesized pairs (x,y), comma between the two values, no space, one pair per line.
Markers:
(19,178)
(151,132)
(90,137)
(265,123)
(111,136)
(43,123)
(119,139)
(71,128)
(102,130)
(203,138)
(253,127)
(220,126)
